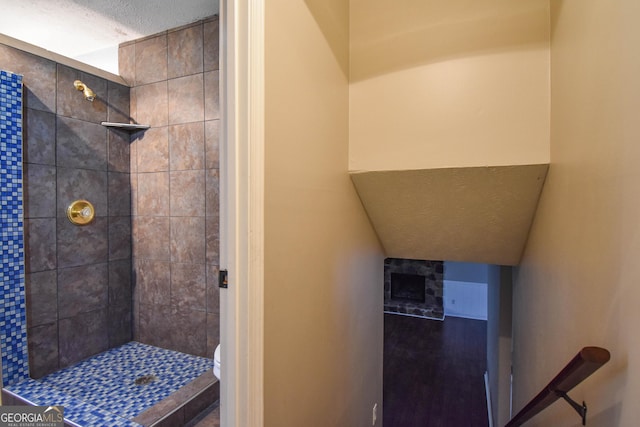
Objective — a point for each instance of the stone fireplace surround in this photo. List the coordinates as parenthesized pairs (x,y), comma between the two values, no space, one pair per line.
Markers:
(433,273)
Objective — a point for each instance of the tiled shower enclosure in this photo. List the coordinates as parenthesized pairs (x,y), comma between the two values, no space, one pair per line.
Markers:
(145,269)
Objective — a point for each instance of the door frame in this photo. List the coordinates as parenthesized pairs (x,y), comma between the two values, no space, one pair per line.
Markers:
(242,211)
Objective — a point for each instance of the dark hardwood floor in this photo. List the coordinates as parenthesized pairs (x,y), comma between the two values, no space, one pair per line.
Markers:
(434,372)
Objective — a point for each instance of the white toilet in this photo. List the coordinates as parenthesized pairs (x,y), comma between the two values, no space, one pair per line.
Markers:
(216,362)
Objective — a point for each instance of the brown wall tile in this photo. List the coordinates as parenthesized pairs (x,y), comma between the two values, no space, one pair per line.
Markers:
(40,240)
(119,325)
(153,279)
(133,151)
(152,150)
(212,95)
(120,283)
(186,146)
(133,109)
(213,193)
(118,151)
(213,240)
(127,62)
(187,244)
(152,325)
(118,103)
(211,30)
(189,333)
(39,77)
(151,104)
(134,194)
(186,99)
(82,289)
(151,60)
(119,237)
(81,144)
(39,137)
(39,191)
(188,286)
(151,238)
(43,349)
(42,298)
(135,318)
(181,330)
(83,336)
(82,245)
(119,194)
(153,194)
(212,143)
(187,193)
(185,51)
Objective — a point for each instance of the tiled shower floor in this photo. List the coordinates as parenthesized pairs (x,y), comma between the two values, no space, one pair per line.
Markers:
(107,381)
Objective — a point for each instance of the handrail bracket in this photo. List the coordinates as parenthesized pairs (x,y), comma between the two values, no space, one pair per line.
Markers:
(580,409)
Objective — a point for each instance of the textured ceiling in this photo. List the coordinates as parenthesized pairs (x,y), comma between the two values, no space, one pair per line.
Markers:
(91,30)
(477,214)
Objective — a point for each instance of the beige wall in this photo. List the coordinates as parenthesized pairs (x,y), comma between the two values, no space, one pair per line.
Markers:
(448,84)
(578,283)
(323,264)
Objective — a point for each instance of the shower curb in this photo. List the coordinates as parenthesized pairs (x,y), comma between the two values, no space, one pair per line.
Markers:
(183,405)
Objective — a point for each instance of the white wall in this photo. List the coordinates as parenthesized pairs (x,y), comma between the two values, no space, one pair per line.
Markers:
(465,289)
(465,299)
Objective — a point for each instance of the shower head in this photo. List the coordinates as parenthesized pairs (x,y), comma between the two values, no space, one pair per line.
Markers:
(88,93)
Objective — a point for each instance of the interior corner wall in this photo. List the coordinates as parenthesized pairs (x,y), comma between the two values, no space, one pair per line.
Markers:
(323,310)
(174,179)
(448,84)
(577,284)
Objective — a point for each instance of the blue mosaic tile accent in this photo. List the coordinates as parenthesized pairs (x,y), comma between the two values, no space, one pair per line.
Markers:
(76,412)
(13,331)
(107,380)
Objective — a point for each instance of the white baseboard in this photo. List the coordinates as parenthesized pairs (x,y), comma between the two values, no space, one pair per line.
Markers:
(414,315)
(488,392)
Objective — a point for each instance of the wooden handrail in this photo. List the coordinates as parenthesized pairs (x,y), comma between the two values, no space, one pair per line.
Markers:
(585,363)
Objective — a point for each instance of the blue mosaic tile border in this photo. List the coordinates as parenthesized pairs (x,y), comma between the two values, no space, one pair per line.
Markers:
(76,412)
(107,380)
(13,331)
